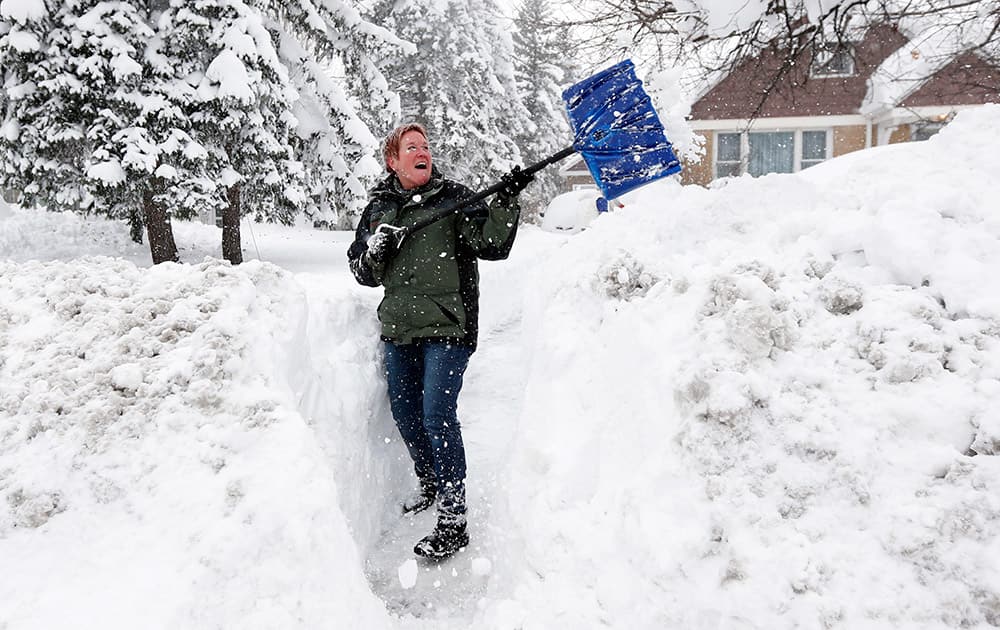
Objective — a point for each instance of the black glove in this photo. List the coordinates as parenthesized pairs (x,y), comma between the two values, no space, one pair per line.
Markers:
(380,246)
(515,181)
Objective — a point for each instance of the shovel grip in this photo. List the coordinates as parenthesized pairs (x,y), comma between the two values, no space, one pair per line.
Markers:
(396,233)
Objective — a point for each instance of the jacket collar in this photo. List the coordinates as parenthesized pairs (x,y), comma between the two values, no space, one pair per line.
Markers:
(390,187)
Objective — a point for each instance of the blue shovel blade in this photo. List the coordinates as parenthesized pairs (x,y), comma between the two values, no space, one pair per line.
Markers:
(617,131)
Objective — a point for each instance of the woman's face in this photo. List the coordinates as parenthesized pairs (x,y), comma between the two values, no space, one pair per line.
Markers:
(412,163)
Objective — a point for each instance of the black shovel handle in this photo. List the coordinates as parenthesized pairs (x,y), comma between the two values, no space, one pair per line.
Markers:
(401,233)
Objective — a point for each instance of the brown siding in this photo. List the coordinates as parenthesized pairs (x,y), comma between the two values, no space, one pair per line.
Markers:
(739,94)
(700,173)
(579,180)
(847,139)
(968,80)
(900,134)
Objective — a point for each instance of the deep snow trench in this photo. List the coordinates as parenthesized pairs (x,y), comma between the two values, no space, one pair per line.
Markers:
(373,471)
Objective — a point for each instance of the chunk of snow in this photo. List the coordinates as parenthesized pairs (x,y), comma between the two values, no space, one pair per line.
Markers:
(165,171)
(127,377)
(408,574)
(229,72)
(124,66)
(230,176)
(481,566)
(22,11)
(10,130)
(22,41)
(110,172)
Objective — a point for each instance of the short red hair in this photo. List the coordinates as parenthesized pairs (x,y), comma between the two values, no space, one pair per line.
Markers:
(390,147)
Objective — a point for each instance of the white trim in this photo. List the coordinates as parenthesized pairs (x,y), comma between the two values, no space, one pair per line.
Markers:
(820,77)
(784,122)
(744,151)
(827,150)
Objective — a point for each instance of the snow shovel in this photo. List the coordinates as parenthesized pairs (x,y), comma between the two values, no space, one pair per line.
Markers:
(616,130)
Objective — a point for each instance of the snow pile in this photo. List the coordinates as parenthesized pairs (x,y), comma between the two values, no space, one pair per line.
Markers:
(63,236)
(776,404)
(155,469)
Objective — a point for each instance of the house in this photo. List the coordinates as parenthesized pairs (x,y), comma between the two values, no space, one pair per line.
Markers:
(882,88)
(575,174)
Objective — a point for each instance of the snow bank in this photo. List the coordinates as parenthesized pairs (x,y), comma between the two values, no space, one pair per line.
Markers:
(770,405)
(28,235)
(156,469)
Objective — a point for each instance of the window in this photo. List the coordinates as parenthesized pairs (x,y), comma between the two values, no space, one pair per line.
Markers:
(728,162)
(771,152)
(762,152)
(833,60)
(813,148)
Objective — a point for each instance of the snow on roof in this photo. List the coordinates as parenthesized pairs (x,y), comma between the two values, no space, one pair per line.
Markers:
(931,48)
(907,69)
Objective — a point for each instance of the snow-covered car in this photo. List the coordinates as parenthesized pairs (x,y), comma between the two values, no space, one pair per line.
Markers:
(571,212)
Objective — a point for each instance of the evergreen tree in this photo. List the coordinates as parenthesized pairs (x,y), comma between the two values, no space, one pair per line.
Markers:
(148,156)
(333,56)
(166,108)
(31,150)
(101,70)
(544,67)
(459,84)
(241,114)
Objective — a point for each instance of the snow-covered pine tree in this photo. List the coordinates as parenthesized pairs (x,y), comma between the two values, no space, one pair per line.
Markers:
(241,113)
(29,156)
(131,94)
(148,156)
(544,67)
(459,84)
(333,57)
(98,51)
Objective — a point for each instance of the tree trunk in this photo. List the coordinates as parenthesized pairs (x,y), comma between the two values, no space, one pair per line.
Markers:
(231,242)
(158,228)
(135,225)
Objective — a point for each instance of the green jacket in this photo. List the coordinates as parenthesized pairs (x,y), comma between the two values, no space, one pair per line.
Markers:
(432,282)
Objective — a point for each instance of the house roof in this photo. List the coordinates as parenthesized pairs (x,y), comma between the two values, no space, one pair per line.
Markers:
(909,67)
(748,92)
(892,65)
(574,165)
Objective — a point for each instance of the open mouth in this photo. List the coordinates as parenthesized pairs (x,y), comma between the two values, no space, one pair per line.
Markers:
(420,165)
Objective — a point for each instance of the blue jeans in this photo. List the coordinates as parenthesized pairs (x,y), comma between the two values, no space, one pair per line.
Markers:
(424,380)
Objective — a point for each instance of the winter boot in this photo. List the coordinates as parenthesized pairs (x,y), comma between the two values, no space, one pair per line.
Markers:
(445,540)
(422,499)
(450,533)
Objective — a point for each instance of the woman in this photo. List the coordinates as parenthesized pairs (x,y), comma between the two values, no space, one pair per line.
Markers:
(429,314)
